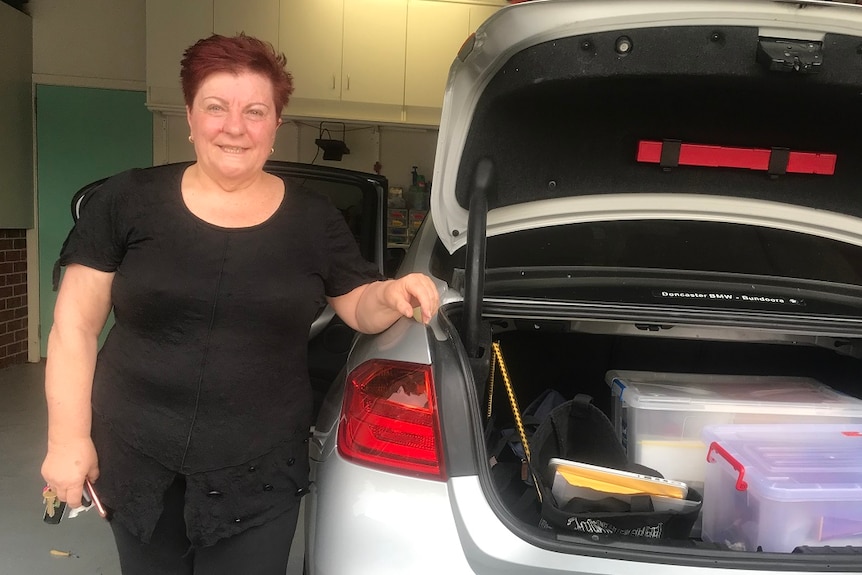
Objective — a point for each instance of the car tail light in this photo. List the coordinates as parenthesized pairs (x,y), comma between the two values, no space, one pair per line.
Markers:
(389,419)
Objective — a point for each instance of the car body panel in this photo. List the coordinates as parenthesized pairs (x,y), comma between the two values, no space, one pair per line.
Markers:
(380,524)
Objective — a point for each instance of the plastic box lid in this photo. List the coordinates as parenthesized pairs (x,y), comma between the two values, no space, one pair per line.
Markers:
(730,393)
(792,462)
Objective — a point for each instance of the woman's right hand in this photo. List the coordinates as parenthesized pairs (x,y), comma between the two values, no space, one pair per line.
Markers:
(67,465)
(83,305)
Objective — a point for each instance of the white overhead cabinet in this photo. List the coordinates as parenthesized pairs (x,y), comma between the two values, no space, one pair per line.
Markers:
(256,18)
(374,38)
(172,26)
(346,56)
(382,61)
(435,32)
(351,50)
(479,13)
(310,34)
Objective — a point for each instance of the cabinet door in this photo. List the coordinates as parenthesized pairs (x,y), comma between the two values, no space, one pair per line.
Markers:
(373,52)
(310,37)
(479,14)
(435,32)
(258,18)
(172,26)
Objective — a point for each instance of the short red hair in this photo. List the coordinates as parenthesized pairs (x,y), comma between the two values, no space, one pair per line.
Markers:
(235,54)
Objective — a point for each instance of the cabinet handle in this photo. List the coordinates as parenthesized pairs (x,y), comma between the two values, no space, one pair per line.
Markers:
(348,81)
(333,81)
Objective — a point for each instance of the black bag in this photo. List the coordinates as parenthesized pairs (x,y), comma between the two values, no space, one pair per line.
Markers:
(579,431)
(509,437)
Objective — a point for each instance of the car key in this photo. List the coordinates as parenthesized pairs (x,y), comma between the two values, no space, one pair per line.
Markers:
(54,508)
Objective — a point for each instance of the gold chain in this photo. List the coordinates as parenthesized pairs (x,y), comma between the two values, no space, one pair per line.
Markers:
(516,411)
(491,391)
(513,401)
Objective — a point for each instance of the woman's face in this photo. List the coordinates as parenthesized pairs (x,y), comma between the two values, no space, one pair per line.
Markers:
(233,122)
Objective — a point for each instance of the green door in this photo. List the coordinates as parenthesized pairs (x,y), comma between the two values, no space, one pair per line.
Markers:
(82,134)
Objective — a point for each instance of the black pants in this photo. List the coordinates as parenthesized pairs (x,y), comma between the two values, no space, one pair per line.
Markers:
(260,550)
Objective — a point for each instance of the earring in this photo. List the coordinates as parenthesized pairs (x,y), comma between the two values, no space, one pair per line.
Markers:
(271,151)
(191,140)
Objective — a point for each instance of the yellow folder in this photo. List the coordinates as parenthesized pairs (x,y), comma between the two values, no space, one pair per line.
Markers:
(616,481)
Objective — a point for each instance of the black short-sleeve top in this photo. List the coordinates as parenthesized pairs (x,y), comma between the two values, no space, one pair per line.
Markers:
(205,367)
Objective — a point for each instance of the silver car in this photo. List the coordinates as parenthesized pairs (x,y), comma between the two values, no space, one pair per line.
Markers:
(652,186)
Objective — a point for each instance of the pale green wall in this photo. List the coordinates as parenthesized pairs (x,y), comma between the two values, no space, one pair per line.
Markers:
(83,134)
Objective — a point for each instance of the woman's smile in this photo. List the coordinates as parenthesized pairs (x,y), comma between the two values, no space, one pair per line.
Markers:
(232,149)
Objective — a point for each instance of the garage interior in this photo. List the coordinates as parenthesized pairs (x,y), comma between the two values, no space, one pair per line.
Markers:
(80,100)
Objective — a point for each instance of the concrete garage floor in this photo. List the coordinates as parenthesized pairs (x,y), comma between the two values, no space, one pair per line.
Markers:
(25,541)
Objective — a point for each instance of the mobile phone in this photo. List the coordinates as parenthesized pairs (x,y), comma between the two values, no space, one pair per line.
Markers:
(89,496)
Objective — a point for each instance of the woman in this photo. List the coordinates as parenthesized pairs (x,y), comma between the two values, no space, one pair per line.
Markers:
(193,421)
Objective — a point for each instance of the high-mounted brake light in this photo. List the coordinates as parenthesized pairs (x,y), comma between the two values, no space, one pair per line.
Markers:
(389,419)
(775,161)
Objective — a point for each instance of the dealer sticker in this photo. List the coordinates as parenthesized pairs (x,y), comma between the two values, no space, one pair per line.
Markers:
(728,296)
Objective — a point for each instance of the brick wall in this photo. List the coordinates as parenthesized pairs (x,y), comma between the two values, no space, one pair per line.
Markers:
(13,297)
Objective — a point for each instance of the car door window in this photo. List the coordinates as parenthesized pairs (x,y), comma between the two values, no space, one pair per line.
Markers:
(354,204)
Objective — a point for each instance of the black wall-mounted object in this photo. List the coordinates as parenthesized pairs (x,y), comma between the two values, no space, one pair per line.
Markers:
(332,149)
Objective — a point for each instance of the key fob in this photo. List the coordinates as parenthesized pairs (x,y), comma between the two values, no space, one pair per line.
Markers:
(58,514)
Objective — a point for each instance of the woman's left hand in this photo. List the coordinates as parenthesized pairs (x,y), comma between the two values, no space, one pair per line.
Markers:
(413,295)
(375,306)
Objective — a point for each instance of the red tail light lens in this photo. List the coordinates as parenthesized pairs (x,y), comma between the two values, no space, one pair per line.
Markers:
(389,419)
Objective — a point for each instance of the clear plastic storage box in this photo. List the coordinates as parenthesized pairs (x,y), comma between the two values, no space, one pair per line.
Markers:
(659,417)
(777,487)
